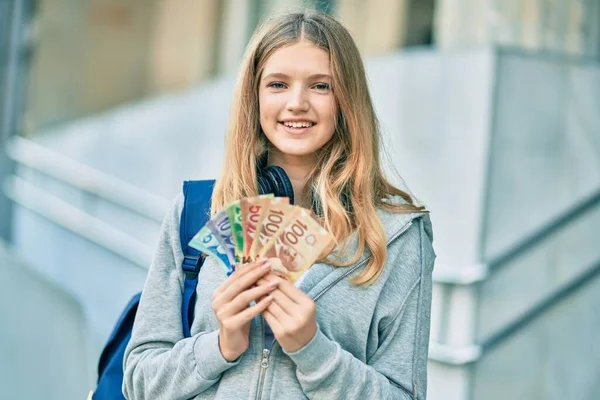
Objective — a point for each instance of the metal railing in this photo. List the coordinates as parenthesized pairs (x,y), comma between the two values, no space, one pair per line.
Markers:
(131,198)
(472,274)
(46,162)
(79,222)
(541,307)
(460,355)
(90,181)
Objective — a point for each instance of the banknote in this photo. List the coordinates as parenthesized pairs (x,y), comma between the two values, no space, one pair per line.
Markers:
(297,246)
(221,228)
(277,216)
(252,213)
(234,213)
(206,242)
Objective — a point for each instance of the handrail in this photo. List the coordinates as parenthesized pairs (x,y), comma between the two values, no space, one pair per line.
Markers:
(546,231)
(463,275)
(47,162)
(36,157)
(459,355)
(71,218)
(454,354)
(473,274)
(536,311)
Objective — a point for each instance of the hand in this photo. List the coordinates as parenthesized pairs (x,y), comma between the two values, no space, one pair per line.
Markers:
(291,315)
(233,311)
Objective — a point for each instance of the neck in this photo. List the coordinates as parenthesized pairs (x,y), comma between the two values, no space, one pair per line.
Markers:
(297,169)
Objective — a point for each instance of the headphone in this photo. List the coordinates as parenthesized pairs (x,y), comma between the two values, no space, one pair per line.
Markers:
(273,179)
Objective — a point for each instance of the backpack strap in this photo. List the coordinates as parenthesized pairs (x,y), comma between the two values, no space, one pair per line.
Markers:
(195,213)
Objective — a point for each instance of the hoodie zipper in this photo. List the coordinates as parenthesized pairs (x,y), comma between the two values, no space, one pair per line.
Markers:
(264,363)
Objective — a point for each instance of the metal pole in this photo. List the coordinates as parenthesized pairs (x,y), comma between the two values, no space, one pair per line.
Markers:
(14,15)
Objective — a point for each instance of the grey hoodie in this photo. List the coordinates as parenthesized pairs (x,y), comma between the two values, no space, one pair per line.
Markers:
(371,341)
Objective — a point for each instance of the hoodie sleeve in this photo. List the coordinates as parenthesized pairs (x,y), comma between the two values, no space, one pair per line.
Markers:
(159,362)
(398,368)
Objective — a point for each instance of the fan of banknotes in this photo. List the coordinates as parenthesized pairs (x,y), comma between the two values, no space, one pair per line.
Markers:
(264,226)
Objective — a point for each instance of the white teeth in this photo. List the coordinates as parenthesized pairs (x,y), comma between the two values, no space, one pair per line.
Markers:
(298,124)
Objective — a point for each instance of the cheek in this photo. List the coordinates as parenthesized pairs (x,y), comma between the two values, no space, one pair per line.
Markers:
(269,113)
(328,115)
(265,108)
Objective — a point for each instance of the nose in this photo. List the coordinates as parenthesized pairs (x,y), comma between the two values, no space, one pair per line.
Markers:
(298,100)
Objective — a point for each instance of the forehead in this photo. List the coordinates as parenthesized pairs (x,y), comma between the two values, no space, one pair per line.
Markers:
(296,60)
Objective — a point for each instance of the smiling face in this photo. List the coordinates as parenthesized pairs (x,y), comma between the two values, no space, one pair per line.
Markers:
(296,101)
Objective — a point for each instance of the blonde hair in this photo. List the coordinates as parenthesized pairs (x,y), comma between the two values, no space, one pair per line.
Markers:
(349,163)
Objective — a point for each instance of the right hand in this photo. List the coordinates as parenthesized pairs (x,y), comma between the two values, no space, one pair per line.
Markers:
(233,311)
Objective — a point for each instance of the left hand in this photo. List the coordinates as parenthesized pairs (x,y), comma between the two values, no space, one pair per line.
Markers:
(291,315)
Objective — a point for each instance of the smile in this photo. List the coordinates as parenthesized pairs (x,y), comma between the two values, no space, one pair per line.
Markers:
(297,127)
(298,124)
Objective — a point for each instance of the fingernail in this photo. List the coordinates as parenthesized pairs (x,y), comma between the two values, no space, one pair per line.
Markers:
(261,260)
(273,284)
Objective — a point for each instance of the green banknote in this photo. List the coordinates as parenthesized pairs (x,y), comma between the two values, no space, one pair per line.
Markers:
(234,213)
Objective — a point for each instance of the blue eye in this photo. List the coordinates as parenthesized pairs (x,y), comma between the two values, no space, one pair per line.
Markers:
(322,86)
(276,85)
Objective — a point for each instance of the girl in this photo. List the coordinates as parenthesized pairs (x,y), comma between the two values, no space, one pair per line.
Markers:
(356,326)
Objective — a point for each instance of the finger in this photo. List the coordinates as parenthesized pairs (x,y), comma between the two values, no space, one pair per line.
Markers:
(273,322)
(242,270)
(292,292)
(242,301)
(278,312)
(281,299)
(271,276)
(245,267)
(263,281)
(243,282)
(249,313)
(288,296)
(266,279)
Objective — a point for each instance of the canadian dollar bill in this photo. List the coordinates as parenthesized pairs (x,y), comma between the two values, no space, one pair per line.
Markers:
(234,213)
(297,245)
(206,242)
(220,227)
(252,213)
(276,216)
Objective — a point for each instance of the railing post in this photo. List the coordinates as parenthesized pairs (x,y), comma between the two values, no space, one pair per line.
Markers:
(14,59)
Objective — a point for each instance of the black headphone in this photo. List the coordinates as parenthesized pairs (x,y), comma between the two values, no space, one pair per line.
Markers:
(273,179)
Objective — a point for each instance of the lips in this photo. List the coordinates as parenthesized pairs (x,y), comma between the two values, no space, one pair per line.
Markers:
(298,123)
(297,128)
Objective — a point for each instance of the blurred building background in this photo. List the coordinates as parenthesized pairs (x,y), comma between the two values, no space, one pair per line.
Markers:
(490,111)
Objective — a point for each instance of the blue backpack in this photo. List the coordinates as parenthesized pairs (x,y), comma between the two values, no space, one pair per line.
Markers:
(195,214)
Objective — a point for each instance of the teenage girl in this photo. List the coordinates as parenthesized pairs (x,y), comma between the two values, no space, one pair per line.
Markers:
(356,325)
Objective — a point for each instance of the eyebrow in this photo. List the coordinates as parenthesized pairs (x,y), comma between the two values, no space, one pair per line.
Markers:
(280,75)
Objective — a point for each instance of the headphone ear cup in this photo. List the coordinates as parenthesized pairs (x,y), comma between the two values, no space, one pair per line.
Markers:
(273,179)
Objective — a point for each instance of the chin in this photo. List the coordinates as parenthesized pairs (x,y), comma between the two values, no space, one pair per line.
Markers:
(296,151)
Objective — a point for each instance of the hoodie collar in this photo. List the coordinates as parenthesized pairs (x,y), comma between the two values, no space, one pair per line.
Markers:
(320,277)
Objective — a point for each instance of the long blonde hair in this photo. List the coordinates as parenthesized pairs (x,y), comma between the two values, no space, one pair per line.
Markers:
(349,163)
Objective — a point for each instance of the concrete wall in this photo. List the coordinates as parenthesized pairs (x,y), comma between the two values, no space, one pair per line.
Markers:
(546,143)
(564,27)
(44,349)
(554,358)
